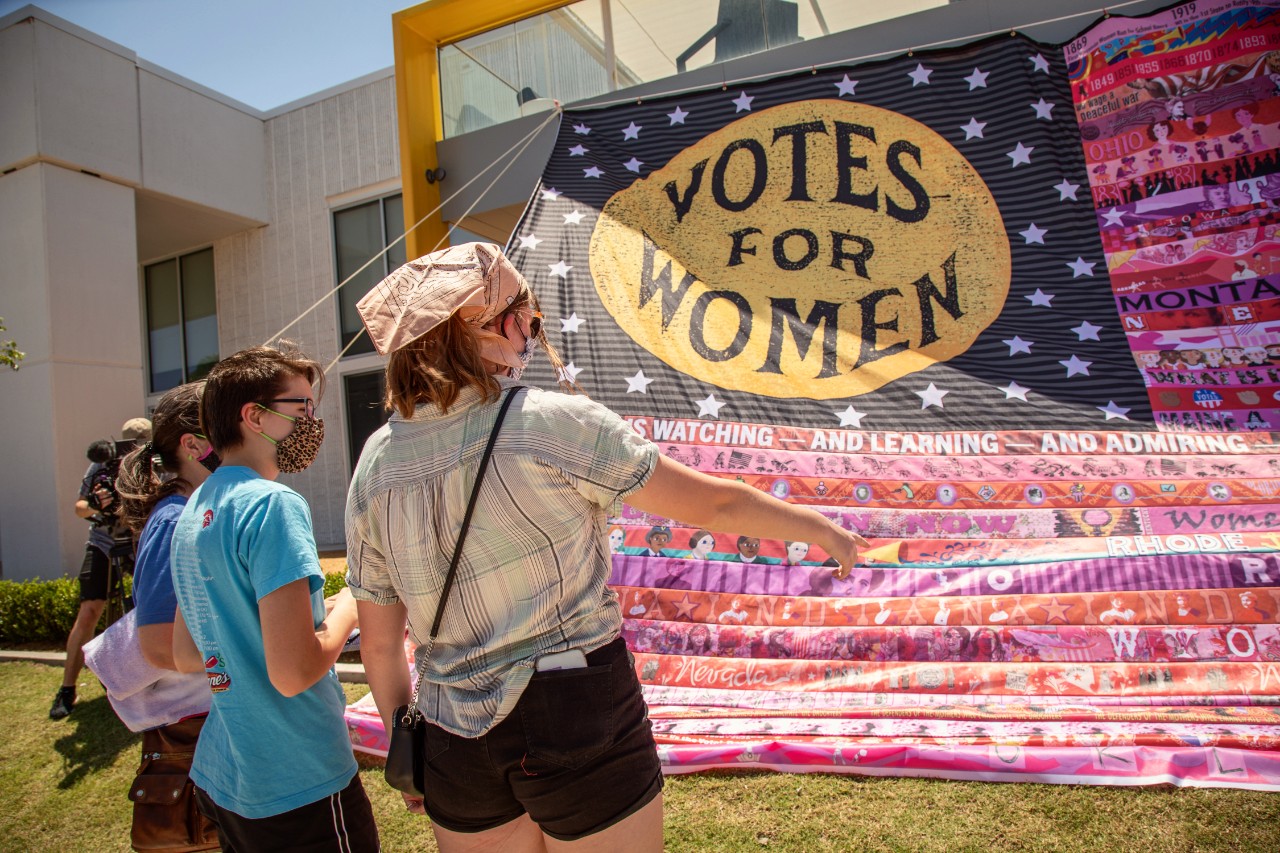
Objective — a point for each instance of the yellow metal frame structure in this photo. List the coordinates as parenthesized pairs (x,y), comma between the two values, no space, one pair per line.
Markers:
(420,31)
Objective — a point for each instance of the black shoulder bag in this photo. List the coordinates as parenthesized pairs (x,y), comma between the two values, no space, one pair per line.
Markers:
(406,751)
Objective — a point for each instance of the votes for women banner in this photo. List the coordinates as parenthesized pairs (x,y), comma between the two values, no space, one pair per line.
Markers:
(1011,311)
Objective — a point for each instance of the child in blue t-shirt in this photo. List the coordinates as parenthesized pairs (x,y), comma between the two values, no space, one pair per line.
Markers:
(274,765)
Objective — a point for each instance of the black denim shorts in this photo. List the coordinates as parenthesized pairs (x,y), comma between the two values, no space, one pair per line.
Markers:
(576,753)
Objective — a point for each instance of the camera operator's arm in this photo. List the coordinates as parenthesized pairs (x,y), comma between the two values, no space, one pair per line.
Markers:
(186,657)
(102,497)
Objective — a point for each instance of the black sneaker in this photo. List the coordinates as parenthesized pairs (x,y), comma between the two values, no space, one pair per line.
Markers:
(63,703)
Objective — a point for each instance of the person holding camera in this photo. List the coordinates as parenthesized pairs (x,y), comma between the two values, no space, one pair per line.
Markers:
(97,503)
(535,732)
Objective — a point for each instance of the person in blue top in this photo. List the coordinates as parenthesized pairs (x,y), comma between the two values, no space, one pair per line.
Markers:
(274,765)
(154,482)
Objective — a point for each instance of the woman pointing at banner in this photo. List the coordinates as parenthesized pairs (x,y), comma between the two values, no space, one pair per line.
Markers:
(478,514)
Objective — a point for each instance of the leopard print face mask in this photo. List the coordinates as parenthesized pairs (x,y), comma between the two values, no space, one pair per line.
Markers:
(297,450)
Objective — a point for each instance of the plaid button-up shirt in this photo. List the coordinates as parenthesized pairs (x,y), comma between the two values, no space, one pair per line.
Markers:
(532,577)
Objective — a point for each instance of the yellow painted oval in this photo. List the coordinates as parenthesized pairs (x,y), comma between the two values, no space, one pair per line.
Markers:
(817,249)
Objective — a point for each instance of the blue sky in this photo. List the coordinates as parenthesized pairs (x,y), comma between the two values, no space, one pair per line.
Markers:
(263,53)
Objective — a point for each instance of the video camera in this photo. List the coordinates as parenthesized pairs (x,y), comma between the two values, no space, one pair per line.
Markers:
(107,456)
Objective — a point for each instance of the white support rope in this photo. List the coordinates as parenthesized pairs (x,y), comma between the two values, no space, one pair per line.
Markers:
(725,83)
(527,141)
(521,144)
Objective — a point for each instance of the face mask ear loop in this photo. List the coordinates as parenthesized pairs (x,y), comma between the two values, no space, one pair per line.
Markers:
(274,412)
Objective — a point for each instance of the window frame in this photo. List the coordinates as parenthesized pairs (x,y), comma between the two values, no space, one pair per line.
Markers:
(151,395)
(358,363)
(380,196)
(351,454)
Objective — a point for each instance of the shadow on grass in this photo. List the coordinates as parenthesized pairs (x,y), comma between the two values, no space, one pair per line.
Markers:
(94,742)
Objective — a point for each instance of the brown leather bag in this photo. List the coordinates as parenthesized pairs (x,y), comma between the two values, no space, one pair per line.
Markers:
(165,814)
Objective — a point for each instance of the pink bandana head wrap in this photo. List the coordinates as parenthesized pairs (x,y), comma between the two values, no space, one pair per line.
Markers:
(475,280)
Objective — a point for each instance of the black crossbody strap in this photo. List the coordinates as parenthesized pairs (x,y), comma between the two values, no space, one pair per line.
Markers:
(471,506)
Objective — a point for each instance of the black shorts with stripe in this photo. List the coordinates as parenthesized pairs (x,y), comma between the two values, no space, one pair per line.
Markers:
(341,822)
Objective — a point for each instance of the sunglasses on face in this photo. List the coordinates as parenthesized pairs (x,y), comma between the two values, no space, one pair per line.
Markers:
(307,402)
(533,319)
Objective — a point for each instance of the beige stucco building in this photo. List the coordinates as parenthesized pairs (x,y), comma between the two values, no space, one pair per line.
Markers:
(111,165)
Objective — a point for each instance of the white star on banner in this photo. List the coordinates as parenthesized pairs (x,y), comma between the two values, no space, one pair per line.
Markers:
(1039,63)
(1034,234)
(1066,190)
(920,75)
(592,172)
(573,218)
(1044,109)
(931,396)
(570,372)
(1041,298)
(633,165)
(578,150)
(846,86)
(1021,154)
(1075,365)
(638,384)
(677,115)
(529,241)
(977,80)
(1086,331)
(973,128)
(560,268)
(571,323)
(581,129)
(550,194)
(1111,410)
(631,131)
(1081,267)
(1013,389)
(850,417)
(1114,216)
(743,102)
(1017,345)
(710,406)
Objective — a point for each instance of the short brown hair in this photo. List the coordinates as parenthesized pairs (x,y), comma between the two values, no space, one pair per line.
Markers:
(252,375)
(435,368)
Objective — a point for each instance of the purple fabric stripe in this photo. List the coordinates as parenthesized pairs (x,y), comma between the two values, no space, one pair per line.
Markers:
(1155,571)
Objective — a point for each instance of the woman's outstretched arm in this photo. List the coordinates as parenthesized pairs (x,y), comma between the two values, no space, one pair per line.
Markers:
(700,500)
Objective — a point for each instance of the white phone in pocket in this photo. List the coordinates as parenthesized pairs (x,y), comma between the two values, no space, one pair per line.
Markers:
(568,659)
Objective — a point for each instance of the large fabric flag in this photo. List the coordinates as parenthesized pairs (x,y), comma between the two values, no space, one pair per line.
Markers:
(1008,311)
(908,246)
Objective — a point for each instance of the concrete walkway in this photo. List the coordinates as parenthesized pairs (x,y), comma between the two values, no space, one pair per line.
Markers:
(350,672)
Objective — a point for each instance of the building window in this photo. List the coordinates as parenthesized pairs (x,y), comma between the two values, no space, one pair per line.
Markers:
(182,319)
(591,47)
(363,393)
(359,233)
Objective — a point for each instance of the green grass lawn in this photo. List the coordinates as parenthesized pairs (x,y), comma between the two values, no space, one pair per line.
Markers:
(63,784)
